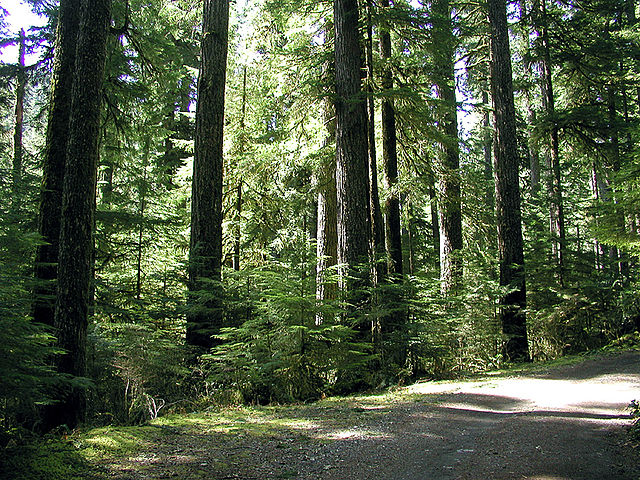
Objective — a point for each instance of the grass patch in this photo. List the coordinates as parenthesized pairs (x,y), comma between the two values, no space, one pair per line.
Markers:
(48,459)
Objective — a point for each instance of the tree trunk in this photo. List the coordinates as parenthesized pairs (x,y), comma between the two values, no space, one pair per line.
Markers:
(377,227)
(393,234)
(53,166)
(75,268)
(621,264)
(556,208)
(510,245)
(327,218)
(327,234)
(435,222)
(449,158)
(487,147)
(19,121)
(141,213)
(351,147)
(205,254)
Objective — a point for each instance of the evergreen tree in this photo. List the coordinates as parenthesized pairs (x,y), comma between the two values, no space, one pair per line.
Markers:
(53,165)
(511,254)
(75,268)
(205,255)
(450,213)
(351,146)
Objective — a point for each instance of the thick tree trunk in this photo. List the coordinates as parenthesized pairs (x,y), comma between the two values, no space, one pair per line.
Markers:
(393,233)
(449,159)
(205,255)
(351,146)
(75,268)
(377,226)
(53,166)
(510,245)
(21,83)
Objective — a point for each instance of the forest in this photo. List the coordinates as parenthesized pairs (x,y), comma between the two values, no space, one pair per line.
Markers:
(265,202)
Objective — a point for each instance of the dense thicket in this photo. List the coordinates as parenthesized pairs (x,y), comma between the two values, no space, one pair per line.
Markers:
(236,169)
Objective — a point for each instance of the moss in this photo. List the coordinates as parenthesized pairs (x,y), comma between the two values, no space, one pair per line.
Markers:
(45,460)
(114,441)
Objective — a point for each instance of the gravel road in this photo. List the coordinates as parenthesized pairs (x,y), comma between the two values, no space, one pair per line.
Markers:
(567,423)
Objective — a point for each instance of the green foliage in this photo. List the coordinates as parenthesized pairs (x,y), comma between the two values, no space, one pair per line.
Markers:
(277,351)
(139,371)
(45,459)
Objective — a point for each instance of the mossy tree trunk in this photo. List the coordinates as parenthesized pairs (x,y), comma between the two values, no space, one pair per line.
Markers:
(75,269)
(53,165)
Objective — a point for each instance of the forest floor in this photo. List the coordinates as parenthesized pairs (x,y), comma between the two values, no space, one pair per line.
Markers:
(561,422)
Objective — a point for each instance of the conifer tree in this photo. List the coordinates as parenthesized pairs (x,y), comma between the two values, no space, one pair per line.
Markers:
(53,166)
(510,245)
(351,139)
(393,236)
(205,254)
(449,189)
(75,268)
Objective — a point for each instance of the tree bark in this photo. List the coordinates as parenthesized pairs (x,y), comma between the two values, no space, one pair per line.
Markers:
(510,245)
(449,159)
(393,233)
(78,207)
(205,254)
(351,146)
(53,167)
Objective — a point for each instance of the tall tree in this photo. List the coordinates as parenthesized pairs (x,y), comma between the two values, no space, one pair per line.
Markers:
(19,117)
(205,255)
(351,143)
(450,211)
(510,245)
(556,207)
(327,223)
(75,268)
(377,227)
(393,234)
(53,166)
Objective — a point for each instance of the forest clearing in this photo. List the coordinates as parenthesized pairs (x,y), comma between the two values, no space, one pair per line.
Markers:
(223,221)
(562,422)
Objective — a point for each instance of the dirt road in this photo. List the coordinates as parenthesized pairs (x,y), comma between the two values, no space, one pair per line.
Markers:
(566,423)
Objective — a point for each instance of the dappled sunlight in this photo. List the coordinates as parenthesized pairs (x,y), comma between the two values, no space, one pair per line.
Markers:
(547,477)
(356,434)
(603,394)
